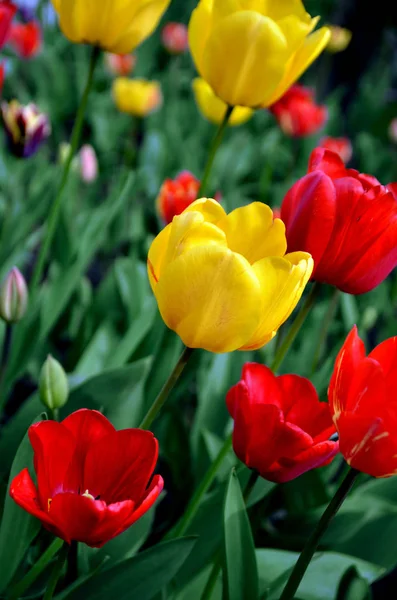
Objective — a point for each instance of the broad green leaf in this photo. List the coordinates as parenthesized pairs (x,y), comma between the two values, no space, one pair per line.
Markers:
(241,574)
(353,587)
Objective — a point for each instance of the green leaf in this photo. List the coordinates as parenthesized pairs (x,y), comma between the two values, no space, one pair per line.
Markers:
(353,587)
(241,574)
(142,576)
(18,528)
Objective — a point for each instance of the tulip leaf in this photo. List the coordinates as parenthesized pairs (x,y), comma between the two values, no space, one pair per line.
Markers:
(142,576)
(18,528)
(353,587)
(240,570)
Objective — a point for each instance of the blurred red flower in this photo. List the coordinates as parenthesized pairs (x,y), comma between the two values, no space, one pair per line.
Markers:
(177,194)
(341,146)
(363,401)
(26,39)
(297,112)
(346,220)
(93,482)
(7,12)
(281,428)
(120,64)
(175,38)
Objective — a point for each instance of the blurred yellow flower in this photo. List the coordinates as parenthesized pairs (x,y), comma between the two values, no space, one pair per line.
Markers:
(339,40)
(223,282)
(213,108)
(137,97)
(118,26)
(251,51)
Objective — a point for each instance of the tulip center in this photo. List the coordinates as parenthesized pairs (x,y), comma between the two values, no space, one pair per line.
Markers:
(88,495)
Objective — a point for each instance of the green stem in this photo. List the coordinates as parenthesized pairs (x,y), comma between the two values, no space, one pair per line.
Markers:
(295,327)
(55,211)
(167,388)
(216,142)
(212,579)
(18,590)
(308,551)
(329,316)
(200,492)
(5,353)
(56,573)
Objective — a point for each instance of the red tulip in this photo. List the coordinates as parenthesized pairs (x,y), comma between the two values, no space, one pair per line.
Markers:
(363,401)
(120,64)
(175,38)
(281,429)
(341,146)
(7,12)
(297,112)
(25,39)
(93,482)
(346,220)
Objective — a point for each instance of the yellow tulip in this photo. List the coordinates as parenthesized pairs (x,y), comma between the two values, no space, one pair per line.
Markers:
(251,51)
(223,282)
(339,40)
(137,97)
(213,108)
(118,26)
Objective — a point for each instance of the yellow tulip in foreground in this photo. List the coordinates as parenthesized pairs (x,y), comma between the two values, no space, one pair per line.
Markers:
(213,108)
(223,282)
(251,51)
(118,26)
(137,97)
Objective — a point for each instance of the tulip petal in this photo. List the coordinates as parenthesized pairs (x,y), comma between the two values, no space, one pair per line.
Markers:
(262,385)
(211,297)
(294,30)
(280,10)
(316,456)
(156,255)
(256,50)
(199,30)
(211,210)
(330,163)
(282,283)
(251,231)
(214,109)
(149,498)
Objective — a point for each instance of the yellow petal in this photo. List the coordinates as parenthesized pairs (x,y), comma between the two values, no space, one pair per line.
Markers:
(137,97)
(156,255)
(278,9)
(211,297)
(199,30)
(211,210)
(307,53)
(294,30)
(252,232)
(213,108)
(256,52)
(282,282)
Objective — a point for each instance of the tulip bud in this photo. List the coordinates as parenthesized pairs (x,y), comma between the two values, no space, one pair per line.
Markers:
(88,164)
(339,40)
(137,97)
(25,126)
(175,38)
(53,384)
(120,64)
(13,297)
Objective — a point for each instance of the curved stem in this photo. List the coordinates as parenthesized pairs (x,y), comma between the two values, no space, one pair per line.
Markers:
(55,211)
(204,486)
(308,551)
(56,573)
(328,318)
(295,327)
(216,142)
(167,388)
(31,576)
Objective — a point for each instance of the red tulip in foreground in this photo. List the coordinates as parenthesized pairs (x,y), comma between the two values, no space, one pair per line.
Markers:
(93,482)
(25,39)
(297,112)
(346,220)
(281,429)
(7,12)
(363,401)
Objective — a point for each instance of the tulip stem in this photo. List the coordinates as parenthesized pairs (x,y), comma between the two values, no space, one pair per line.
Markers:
(55,211)
(216,142)
(328,318)
(166,389)
(18,590)
(310,547)
(7,341)
(56,573)
(295,327)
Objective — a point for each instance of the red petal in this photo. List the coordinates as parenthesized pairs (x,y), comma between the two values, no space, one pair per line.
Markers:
(329,162)
(119,466)
(316,456)
(262,384)
(151,495)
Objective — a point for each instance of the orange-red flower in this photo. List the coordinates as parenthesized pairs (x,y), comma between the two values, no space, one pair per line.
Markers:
(93,482)
(281,428)
(297,112)
(26,39)
(363,401)
(175,38)
(7,13)
(346,220)
(120,64)
(341,146)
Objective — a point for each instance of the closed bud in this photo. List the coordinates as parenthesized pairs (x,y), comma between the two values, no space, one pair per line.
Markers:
(53,384)
(13,297)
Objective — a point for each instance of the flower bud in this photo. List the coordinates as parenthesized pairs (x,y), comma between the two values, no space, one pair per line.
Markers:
(339,40)
(53,384)
(120,64)
(88,164)
(175,38)
(137,97)
(13,297)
